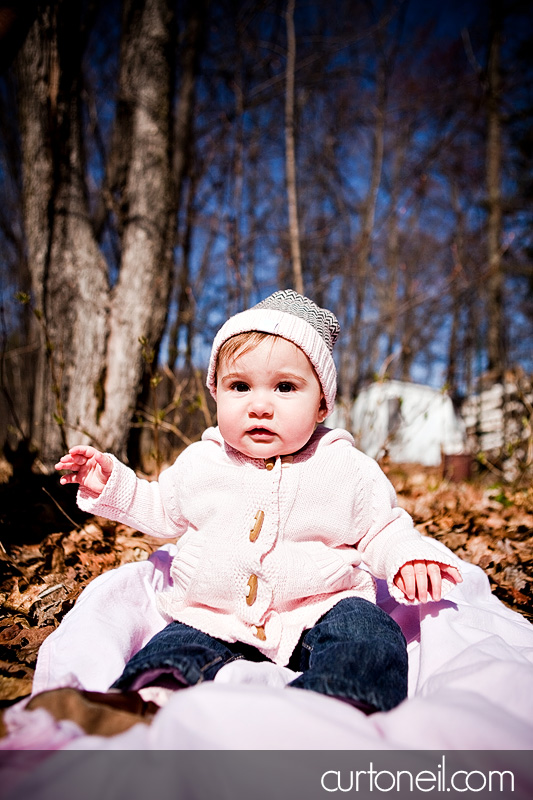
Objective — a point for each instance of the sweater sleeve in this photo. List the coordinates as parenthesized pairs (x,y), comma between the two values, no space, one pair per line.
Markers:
(391,540)
(152,507)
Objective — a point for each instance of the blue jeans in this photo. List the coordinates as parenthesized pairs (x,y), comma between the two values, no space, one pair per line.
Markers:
(355,652)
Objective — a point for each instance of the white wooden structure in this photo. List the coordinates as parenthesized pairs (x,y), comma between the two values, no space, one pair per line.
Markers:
(410,422)
(498,422)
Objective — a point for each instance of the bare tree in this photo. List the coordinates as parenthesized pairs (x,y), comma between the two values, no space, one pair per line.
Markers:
(496,349)
(68,272)
(290,151)
(92,356)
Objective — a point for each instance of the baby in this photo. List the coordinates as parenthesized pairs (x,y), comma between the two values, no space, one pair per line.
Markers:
(282,524)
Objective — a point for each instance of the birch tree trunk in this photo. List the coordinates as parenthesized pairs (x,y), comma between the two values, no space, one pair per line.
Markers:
(182,167)
(495,311)
(359,281)
(139,298)
(290,152)
(68,272)
(391,292)
(91,363)
(458,250)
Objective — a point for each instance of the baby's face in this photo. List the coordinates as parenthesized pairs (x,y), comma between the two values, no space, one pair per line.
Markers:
(269,399)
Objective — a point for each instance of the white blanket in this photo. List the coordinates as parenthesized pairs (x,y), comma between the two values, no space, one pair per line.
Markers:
(470,687)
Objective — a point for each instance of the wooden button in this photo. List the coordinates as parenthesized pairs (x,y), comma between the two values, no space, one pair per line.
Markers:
(269,462)
(251,593)
(255,531)
(259,632)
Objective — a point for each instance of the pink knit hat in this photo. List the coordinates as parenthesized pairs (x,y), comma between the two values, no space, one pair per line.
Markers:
(296,318)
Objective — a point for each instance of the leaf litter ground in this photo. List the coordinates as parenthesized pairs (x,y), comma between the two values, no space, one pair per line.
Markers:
(49,552)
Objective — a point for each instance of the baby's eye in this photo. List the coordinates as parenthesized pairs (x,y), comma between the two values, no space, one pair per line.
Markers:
(285,386)
(240,386)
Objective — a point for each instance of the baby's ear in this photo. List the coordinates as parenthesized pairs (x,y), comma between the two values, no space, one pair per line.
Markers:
(322,410)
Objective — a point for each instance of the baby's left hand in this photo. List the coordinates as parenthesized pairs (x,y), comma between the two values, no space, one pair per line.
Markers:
(422,580)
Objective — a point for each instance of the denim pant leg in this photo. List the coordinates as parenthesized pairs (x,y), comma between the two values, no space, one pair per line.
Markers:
(356,652)
(180,655)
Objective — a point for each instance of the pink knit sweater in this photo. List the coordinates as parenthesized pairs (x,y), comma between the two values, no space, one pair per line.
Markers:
(263,553)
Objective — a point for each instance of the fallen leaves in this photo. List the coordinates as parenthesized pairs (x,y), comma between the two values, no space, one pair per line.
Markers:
(491,527)
(19,645)
(39,583)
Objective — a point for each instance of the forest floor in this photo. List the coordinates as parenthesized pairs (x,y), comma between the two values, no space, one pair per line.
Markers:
(49,551)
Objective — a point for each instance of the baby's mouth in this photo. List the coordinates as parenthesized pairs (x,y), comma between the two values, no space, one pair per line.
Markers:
(260,432)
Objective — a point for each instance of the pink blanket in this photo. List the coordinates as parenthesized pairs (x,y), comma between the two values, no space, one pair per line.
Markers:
(471,680)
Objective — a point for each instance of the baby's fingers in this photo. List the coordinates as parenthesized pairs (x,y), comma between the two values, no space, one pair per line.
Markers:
(66,462)
(452,573)
(405,580)
(435,581)
(71,462)
(72,477)
(85,451)
(421,577)
(400,583)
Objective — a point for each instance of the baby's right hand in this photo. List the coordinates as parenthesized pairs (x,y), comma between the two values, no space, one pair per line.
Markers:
(89,467)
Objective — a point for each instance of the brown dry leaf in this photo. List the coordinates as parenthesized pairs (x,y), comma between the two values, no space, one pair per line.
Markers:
(14,688)
(19,646)
(23,639)
(513,578)
(494,522)
(133,549)
(478,549)
(455,540)
(519,597)
(23,600)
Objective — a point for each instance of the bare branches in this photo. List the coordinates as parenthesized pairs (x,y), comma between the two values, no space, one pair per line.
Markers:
(346,154)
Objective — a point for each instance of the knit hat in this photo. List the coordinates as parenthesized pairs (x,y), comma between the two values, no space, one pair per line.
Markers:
(296,318)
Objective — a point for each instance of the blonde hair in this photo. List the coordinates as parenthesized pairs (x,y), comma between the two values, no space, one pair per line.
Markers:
(240,344)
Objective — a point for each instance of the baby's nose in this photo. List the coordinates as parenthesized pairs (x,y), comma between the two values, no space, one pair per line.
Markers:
(260,405)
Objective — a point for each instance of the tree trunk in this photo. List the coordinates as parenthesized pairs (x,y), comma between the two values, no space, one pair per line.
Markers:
(391,292)
(362,268)
(15,22)
(184,319)
(290,152)
(496,349)
(185,164)
(139,299)
(91,363)
(68,272)
(455,352)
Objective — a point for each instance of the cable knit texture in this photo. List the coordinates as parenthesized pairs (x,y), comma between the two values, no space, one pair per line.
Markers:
(328,511)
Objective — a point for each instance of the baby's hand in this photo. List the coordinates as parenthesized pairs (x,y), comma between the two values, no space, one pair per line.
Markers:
(422,580)
(89,467)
